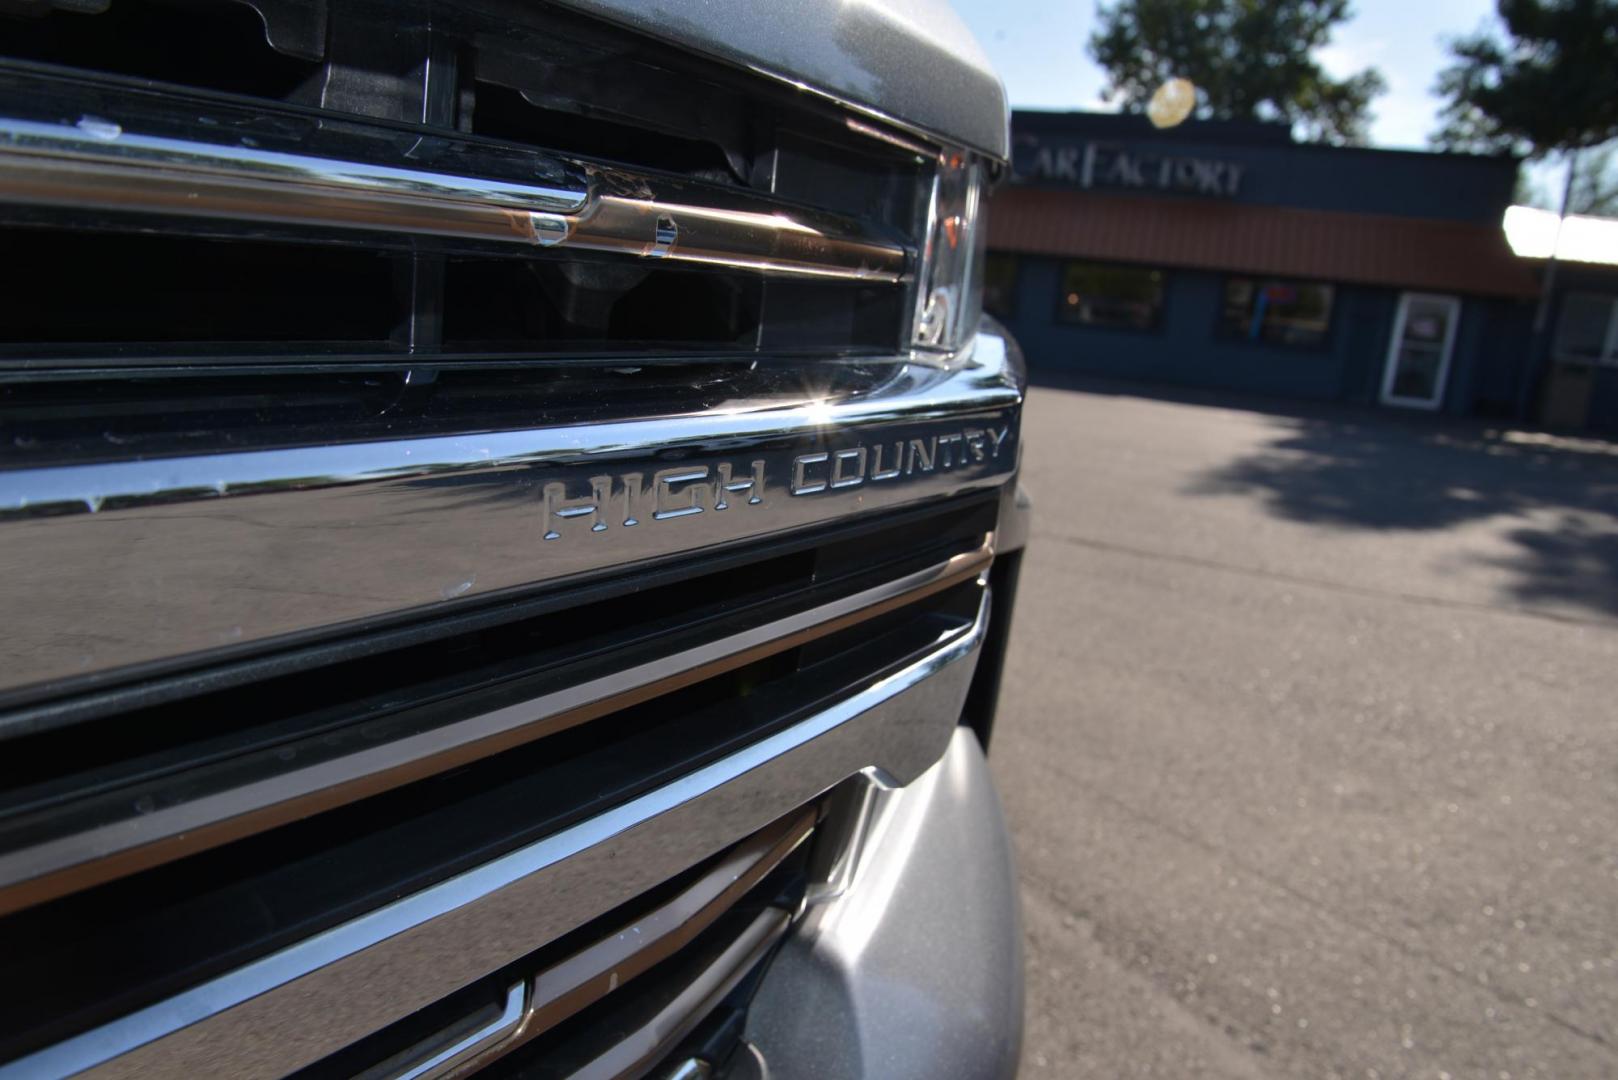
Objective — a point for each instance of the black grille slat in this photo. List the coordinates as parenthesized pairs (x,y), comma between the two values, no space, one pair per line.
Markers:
(761,146)
(85,764)
(218,910)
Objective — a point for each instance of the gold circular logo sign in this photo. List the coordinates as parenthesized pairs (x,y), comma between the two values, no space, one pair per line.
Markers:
(1172,103)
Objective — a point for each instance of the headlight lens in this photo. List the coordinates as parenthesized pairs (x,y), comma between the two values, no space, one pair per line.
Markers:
(949,283)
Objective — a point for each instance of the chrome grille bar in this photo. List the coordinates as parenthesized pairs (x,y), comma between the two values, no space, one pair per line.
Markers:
(639,1049)
(571,985)
(103,143)
(588,976)
(498,1031)
(221,551)
(97,165)
(195,823)
(574,984)
(294,1007)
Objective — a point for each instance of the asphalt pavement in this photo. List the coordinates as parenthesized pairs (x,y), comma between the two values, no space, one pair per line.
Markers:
(1309,743)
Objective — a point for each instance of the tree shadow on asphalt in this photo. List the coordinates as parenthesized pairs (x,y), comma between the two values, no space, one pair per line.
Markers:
(1368,473)
(1359,468)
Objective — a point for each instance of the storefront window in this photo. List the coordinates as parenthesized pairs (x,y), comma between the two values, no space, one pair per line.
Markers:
(1278,312)
(1098,294)
(1587,329)
(1000,285)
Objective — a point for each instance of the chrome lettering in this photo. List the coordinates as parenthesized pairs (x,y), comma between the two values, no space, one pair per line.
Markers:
(800,470)
(666,502)
(632,497)
(753,485)
(840,479)
(974,441)
(688,489)
(925,451)
(877,471)
(560,508)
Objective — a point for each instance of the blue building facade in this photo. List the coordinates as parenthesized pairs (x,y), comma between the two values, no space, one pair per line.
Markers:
(1228,256)
(1575,372)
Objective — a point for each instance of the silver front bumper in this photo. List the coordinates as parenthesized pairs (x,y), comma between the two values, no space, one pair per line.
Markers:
(910,964)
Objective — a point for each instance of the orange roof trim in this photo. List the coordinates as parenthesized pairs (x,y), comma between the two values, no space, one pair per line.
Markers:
(1396,252)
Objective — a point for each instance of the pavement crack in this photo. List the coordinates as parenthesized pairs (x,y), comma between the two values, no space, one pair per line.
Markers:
(1218,1035)
(1583,1033)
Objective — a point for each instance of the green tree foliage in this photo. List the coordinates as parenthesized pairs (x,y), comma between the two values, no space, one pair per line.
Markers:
(1595,185)
(1249,59)
(1549,86)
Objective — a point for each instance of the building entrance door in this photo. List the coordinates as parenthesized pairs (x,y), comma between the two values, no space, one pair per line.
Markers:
(1419,354)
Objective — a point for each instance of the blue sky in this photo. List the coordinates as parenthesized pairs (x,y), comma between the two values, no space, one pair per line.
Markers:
(1039,48)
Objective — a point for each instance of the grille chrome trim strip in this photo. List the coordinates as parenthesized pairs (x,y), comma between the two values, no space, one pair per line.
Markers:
(218,554)
(294,1007)
(588,976)
(776,243)
(67,166)
(640,1049)
(513,1014)
(109,146)
(573,984)
(34,875)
